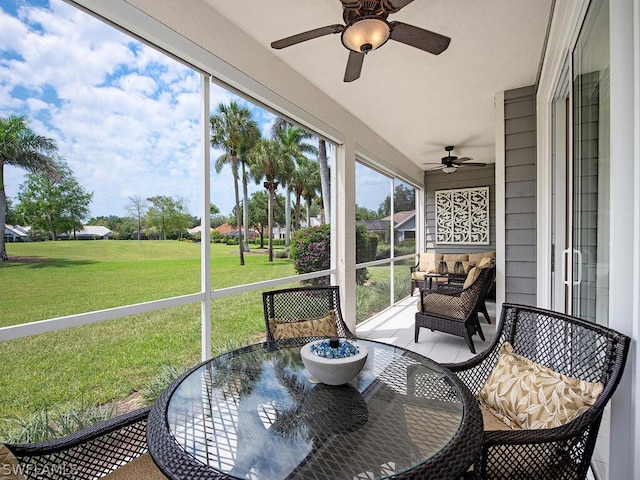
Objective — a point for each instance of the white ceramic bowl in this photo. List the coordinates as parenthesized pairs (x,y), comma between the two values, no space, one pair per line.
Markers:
(333,371)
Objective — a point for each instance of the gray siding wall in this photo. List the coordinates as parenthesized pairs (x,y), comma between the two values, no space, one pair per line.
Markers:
(463,178)
(520,195)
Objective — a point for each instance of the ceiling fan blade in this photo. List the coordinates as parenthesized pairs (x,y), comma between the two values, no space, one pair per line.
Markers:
(308,35)
(470,164)
(418,37)
(397,4)
(463,159)
(354,66)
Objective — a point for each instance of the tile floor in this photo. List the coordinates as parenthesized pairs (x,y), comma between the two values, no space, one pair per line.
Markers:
(396,326)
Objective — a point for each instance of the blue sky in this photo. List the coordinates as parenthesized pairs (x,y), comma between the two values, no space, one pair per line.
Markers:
(124,116)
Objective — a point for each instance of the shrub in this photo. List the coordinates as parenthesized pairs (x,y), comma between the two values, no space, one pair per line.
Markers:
(366,246)
(383,251)
(310,250)
(311,247)
(167,375)
(54,422)
(406,247)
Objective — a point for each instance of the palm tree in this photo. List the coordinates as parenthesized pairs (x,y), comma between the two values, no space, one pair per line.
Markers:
(324,179)
(325,182)
(312,185)
(307,173)
(293,143)
(22,148)
(234,130)
(269,161)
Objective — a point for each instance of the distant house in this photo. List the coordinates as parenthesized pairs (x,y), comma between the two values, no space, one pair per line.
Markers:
(404,225)
(226,229)
(281,232)
(197,230)
(16,233)
(232,231)
(94,232)
(377,227)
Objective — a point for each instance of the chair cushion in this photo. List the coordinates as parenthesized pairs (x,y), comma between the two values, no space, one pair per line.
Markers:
(9,468)
(427,262)
(491,422)
(471,277)
(452,258)
(485,262)
(476,257)
(142,467)
(305,327)
(526,395)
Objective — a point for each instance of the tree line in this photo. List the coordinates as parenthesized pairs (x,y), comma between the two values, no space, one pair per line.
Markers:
(291,159)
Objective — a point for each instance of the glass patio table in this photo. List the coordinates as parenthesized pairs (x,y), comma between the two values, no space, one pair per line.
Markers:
(253,413)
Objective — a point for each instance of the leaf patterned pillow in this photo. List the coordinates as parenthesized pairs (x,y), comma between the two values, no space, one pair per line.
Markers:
(311,327)
(526,395)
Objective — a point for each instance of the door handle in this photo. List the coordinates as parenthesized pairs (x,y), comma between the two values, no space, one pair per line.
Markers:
(578,281)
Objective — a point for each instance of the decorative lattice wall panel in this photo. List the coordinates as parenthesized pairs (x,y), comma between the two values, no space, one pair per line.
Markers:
(462,216)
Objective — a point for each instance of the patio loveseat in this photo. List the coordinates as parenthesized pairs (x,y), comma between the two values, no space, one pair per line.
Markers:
(429,262)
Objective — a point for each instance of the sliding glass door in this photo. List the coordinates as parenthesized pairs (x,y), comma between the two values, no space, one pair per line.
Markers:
(580,175)
(588,255)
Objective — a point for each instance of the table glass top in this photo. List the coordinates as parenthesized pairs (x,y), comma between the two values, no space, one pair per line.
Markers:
(254,414)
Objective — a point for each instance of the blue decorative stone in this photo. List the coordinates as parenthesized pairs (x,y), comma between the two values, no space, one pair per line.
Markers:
(324,349)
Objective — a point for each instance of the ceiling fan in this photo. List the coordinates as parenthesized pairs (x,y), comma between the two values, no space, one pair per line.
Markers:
(367,29)
(451,163)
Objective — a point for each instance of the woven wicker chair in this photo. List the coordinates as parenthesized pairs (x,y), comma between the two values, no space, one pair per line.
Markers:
(489,280)
(564,344)
(114,449)
(302,303)
(454,312)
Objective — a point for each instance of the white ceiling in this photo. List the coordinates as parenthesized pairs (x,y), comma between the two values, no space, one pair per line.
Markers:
(416,101)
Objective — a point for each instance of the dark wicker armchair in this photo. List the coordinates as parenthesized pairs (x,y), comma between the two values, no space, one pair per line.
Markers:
(114,449)
(489,280)
(454,312)
(293,305)
(567,345)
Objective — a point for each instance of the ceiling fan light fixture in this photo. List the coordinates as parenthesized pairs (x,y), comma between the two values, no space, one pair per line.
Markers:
(449,169)
(366,33)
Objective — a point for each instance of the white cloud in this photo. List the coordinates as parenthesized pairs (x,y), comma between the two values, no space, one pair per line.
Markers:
(124,115)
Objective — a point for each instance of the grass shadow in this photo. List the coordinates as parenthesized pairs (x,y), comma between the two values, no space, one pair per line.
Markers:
(39,263)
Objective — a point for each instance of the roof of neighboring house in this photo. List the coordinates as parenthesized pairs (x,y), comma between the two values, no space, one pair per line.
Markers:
(225,228)
(400,217)
(197,229)
(16,230)
(373,225)
(94,230)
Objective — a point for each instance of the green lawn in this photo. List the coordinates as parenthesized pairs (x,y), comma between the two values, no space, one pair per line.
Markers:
(96,363)
(63,278)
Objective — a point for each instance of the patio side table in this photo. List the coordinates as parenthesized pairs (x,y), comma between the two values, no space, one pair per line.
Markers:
(428,280)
